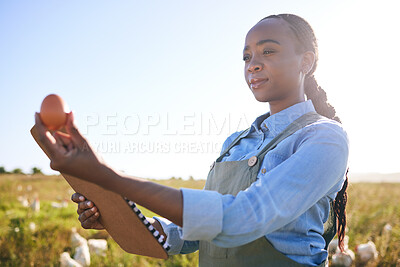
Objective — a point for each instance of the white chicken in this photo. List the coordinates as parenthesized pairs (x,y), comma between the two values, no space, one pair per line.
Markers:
(345,258)
(82,254)
(35,206)
(385,239)
(98,246)
(76,239)
(333,246)
(67,261)
(366,252)
(59,205)
(23,200)
(32,226)
(342,259)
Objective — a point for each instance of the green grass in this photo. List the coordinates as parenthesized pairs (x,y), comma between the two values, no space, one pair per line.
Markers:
(370,207)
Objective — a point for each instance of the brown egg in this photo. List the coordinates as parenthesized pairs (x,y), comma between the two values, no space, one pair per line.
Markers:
(53,112)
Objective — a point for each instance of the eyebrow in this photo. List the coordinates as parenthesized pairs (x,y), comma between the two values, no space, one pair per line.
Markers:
(262,42)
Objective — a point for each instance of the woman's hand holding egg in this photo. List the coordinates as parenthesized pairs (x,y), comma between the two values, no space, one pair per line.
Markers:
(69,152)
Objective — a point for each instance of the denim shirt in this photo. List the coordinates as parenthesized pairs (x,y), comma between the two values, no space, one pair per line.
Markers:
(288,203)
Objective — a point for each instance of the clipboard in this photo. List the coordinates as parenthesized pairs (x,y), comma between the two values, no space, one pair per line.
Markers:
(120,217)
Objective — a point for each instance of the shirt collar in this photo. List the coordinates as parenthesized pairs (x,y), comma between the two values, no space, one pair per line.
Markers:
(277,122)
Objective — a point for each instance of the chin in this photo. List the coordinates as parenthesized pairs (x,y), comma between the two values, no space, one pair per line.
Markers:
(264,94)
(268,96)
(264,98)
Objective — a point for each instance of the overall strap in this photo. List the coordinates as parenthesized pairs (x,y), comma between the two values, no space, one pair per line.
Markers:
(298,124)
(232,144)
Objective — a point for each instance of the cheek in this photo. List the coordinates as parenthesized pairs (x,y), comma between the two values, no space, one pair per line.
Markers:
(286,72)
(246,73)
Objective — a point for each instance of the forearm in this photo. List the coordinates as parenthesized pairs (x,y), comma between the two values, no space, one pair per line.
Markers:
(163,200)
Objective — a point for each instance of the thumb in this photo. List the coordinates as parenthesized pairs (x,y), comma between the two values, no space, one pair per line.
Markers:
(76,137)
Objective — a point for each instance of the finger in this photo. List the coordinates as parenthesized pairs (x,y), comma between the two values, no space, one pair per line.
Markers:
(82,206)
(65,138)
(77,198)
(71,151)
(60,143)
(86,214)
(90,221)
(45,137)
(70,146)
(73,131)
(38,121)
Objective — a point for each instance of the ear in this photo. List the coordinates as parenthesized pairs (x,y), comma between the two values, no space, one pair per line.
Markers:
(307,62)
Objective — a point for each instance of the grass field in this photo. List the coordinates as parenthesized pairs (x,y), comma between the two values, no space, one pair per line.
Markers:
(370,207)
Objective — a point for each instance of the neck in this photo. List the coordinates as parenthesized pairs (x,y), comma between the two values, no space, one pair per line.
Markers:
(279,105)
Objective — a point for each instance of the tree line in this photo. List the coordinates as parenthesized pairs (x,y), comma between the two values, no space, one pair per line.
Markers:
(34,170)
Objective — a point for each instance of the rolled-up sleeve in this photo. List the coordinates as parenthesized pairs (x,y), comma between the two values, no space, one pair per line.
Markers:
(317,165)
(202,214)
(173,232)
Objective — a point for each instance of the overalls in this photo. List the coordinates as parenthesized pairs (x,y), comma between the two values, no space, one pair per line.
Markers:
(230,177)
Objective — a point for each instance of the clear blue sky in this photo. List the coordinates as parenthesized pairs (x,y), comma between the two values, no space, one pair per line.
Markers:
(158,86)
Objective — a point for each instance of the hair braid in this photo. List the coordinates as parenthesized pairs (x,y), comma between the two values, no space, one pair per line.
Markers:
(319,98)
(306,41)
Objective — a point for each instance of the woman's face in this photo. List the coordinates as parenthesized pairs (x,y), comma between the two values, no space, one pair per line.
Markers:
(272,67)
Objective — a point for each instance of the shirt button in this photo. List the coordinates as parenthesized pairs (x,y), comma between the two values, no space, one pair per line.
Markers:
(252,161)
(263,170)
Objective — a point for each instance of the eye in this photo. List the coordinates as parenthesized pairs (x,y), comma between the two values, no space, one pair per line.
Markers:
(268,52)
(246,58)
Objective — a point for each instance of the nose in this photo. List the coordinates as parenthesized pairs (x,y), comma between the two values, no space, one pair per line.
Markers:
(255,66)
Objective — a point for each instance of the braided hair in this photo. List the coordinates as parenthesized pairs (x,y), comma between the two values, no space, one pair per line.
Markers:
(308,42)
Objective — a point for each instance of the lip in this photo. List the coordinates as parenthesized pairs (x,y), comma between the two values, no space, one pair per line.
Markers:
(257,82)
